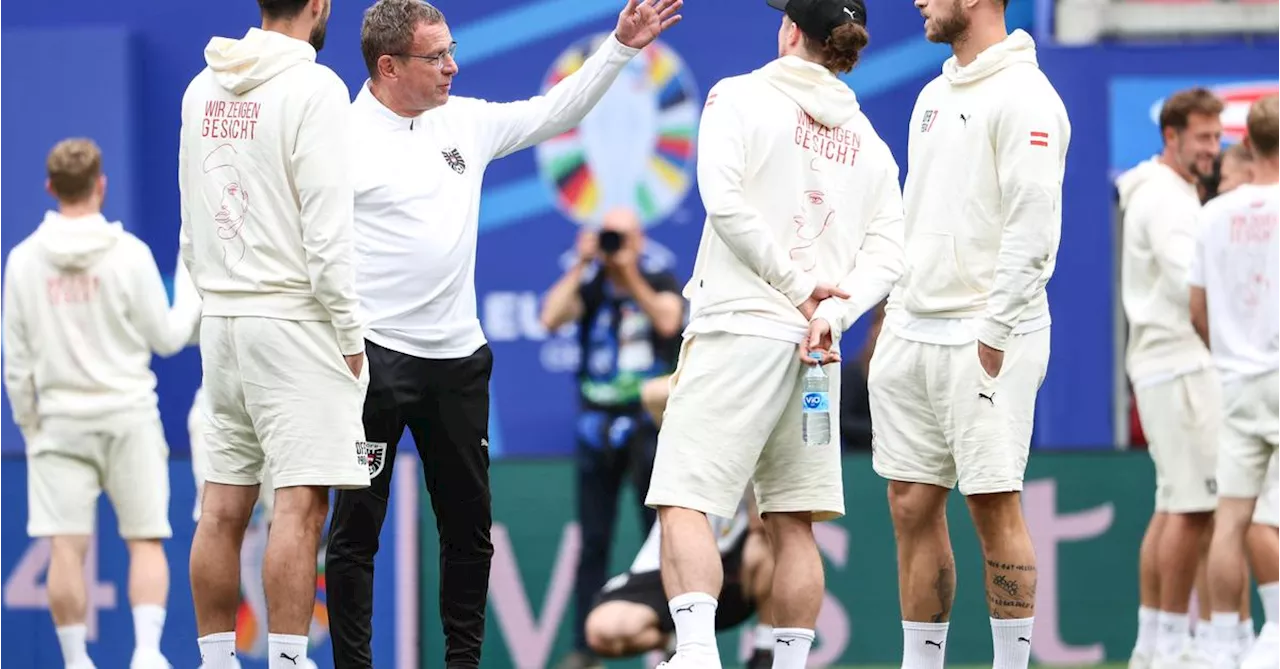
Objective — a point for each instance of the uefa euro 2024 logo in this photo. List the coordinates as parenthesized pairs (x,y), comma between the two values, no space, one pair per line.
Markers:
(635,149)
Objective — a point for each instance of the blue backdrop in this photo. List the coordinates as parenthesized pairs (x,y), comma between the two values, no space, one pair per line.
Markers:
(131,60)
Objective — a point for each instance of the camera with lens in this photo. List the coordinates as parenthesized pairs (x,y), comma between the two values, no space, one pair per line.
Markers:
(610,242)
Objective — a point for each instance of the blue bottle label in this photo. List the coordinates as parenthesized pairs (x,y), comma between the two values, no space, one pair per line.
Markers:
(816,402)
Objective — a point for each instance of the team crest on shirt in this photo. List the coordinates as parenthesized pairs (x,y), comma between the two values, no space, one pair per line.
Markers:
(373,455)
(926,123)
(454,158)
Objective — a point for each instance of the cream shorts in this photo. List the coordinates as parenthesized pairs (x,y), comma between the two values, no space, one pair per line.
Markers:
(735,416)
(1267,510)
(282,403)
(938,418)
(197,426)
(69,467)
(1182,419)
(1250,430)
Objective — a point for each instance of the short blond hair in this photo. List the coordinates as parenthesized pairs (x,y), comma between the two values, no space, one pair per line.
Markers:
(1264,126)
(74,166)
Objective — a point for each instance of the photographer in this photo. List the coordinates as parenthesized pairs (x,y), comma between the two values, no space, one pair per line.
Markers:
(629,322)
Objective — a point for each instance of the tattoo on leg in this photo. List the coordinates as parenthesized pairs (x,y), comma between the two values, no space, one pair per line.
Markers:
(1011,590)
(945,587)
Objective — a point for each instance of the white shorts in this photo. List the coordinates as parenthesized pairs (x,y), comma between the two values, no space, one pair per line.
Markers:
(197,426)
(938,418)
(1182,419)
(1250,430)
(734,416)
(68,467)
(281,402)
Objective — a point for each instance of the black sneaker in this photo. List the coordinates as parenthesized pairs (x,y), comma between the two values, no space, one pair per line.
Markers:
(762,659)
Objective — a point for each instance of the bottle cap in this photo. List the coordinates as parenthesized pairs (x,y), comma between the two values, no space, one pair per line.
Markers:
(815,355)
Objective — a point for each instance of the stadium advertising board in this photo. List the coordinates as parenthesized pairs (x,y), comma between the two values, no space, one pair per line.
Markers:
(1086,513)
(29,629)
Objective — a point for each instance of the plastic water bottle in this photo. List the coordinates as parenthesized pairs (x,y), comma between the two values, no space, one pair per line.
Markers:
(817,405)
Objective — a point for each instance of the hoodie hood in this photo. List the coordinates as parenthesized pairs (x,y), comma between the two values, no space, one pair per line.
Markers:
(818,92)
(244,64)
(77,243)
(1145,172)
(1017,48)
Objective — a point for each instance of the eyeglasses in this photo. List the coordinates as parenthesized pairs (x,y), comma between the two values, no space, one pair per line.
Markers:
(437,59)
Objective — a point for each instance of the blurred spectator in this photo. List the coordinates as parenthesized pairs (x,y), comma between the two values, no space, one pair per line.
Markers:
(629,321)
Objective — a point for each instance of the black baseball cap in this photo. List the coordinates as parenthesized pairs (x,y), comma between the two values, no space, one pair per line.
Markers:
(817,18)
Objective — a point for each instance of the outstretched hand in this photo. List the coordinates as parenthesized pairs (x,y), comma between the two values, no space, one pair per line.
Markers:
(641,21)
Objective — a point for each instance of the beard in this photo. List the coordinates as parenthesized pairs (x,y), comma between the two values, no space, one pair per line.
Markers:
(951,29)
(317,36)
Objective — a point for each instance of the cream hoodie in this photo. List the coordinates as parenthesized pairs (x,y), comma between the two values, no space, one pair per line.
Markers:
(84,307)
(798,188)
(987,154)
(266,188)
(1160,210)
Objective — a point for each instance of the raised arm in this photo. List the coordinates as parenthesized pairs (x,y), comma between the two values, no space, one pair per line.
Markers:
(1031,139)
(512,126)
(321,169)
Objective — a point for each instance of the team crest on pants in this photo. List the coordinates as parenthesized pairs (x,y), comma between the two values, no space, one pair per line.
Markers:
(454,158)
(372,454)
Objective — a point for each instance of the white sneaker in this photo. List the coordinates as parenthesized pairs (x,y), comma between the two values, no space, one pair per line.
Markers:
(149,659)
(1189,658)
(679,661)
(1139,660)
(1265,649)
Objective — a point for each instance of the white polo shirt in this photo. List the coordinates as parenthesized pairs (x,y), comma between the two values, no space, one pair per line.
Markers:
(417,202)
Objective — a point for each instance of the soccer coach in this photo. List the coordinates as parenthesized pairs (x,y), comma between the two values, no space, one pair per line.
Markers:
(419,160)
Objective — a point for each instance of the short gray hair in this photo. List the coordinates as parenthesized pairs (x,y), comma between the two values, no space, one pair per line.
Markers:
(388,28)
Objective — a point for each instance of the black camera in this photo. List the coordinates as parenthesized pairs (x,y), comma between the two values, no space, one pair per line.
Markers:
(610,242)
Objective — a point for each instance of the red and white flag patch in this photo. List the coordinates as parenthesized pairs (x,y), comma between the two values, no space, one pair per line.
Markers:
(1039,138)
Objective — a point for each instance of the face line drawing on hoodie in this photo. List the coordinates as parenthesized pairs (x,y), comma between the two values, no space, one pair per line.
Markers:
(805,235)
(234,206)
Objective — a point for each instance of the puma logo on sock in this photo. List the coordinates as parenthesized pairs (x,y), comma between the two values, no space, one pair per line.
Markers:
(685,609)
(785,642)
(1025,640)
(928,642)
(293,659)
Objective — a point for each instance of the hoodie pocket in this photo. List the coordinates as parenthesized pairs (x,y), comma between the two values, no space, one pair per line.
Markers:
(937,280)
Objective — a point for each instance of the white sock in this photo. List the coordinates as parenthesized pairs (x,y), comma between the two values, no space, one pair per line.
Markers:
(1011,639)
(764,637)
(924,645)
(1247,634)
(1204,634)
(1148,620)
(1270,594)
(72,640)
(218,651)
(695,616)
(791,647)
(286,651)
(148,625)
(1171,638)
(1225,633)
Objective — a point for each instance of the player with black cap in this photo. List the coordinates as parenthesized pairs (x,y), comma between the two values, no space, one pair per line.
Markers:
(796,185)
